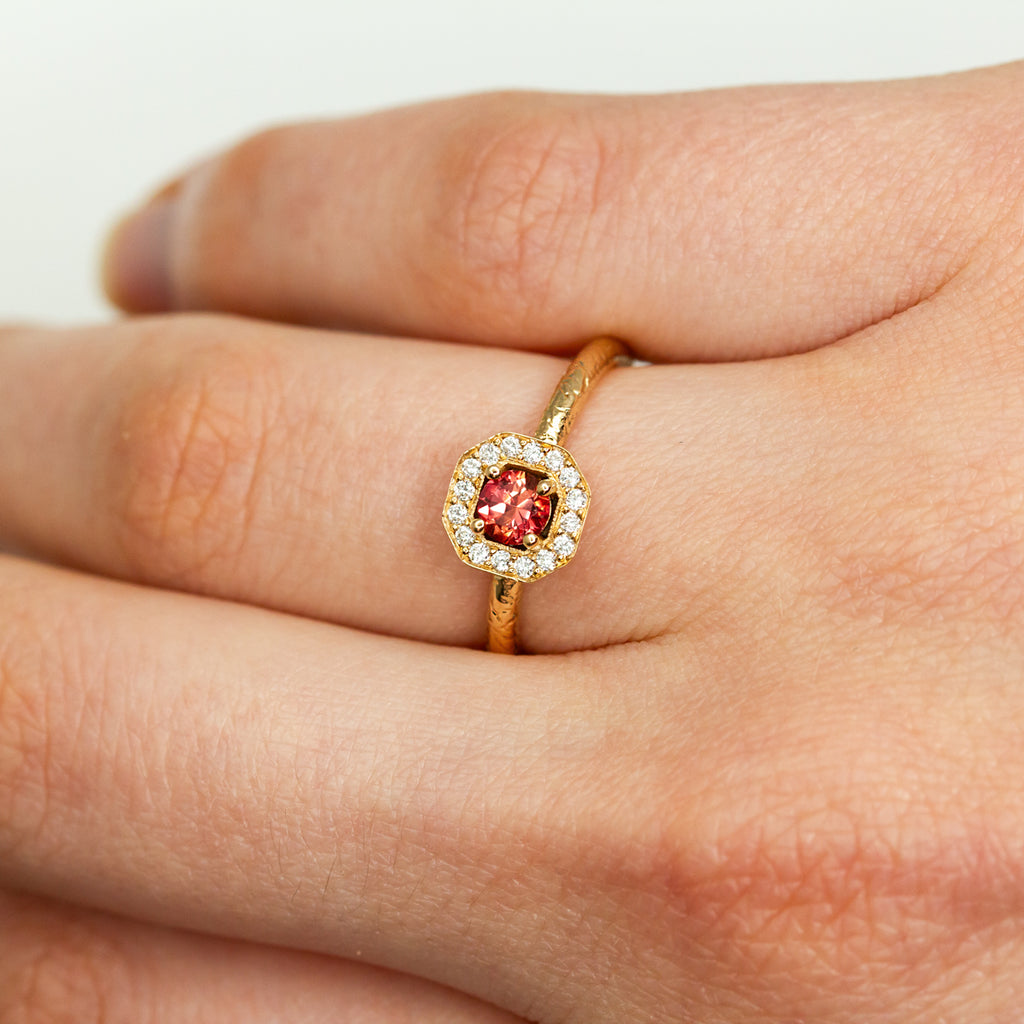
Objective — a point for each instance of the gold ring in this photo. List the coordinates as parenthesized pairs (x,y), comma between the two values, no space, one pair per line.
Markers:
(516,504)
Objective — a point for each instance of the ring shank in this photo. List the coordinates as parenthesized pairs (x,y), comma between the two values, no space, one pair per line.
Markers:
(593,361)
(503,615)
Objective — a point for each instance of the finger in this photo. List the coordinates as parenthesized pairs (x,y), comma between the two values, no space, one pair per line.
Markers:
(61,963)
(205,765)
(714,225)
(625,835)
(305,472)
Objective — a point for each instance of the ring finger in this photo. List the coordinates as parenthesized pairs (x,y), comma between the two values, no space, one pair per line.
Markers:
(304,471)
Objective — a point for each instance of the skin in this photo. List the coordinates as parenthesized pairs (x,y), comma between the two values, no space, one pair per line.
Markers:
(764,763)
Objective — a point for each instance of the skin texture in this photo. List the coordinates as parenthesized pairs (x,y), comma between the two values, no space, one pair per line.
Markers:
(764,763)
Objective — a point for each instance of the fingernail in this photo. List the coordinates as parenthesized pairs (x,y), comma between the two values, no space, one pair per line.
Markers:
(136,259)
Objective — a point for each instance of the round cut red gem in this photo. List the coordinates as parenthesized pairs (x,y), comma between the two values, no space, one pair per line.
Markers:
(510,506)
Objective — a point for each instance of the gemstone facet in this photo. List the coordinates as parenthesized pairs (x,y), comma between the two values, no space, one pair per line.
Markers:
(516,506)
(510,506)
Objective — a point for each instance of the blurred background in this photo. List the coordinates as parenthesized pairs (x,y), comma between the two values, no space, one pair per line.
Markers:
(103,99)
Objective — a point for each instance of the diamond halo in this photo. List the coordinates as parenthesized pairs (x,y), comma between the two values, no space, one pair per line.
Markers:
(553,467)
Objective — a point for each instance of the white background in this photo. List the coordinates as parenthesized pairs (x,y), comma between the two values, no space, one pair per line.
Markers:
(102,99)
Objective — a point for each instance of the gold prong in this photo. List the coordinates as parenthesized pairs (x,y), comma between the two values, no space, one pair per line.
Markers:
(494,471)
(530,539)
(478,525)
(544,487)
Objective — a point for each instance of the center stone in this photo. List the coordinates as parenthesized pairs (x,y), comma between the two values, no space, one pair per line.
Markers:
(510,507)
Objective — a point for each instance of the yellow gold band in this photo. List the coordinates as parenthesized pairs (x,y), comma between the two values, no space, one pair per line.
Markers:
(592,363)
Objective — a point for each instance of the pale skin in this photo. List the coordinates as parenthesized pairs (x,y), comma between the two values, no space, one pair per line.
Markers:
(765,763)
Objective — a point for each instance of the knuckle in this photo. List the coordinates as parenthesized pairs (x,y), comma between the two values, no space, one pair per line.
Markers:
(941,545)
(939,559)
(189,451)
(780,861)
(979,564)
(525,192)
(798,891)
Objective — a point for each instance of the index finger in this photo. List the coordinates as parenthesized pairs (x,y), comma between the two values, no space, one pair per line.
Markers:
(719,225)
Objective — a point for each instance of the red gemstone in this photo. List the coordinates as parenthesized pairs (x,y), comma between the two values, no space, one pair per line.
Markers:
(511,507)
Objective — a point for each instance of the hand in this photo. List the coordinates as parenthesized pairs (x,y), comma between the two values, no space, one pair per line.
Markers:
(765,765)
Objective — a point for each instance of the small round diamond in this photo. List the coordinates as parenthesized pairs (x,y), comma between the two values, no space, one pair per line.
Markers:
(489,454)
(554,460)
(511,447)
(545,561)
(478,554)
(464,490)
(472,468)
(569,477)
(500,560)
(576,500)
(533,452)
(523,567)
(563,546)
(458,514)
(570,523)
(464,536)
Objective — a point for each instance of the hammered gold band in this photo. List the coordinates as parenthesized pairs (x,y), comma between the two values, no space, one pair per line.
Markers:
(589,366)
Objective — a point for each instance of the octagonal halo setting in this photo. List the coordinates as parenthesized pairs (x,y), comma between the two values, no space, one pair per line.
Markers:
(516,507)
